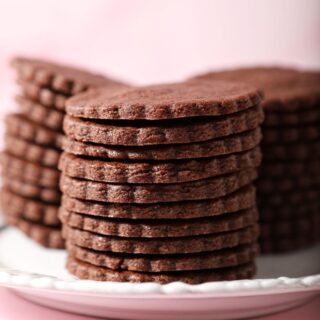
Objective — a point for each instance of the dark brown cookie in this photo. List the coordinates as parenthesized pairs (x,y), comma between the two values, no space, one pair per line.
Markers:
(48,117)
(41,155)
(292,227)
(33,210)
(142,263)
(157,172)
(292,198)
(285,211)
(168,101)
(46,97)
(192,244)
(46,236)
(282,119)
(29,172)
(84,270)
(239,200)
(159,228)
(20,127)
(286,90)
(123,193)
(217,147)
(289,168)
(154,133)
(28,190)
(58,77)
(290,135)
(287,184)
(294,151)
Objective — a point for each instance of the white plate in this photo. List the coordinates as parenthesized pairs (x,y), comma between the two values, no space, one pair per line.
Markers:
(37,274)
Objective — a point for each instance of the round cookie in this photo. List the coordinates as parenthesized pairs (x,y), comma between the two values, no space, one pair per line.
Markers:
(133,193)
(239,200)
(217,147)
(159,228)
(41,155)
(142,263)
(157,172)
(29,172)
(161,132)
(84,270)
(46,236)
(61,78)
(191,244)
(28,190)
(32,210)
(20,127)
(48,117)
(168,101)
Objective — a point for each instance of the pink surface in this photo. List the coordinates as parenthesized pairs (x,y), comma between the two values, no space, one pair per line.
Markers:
(15,308)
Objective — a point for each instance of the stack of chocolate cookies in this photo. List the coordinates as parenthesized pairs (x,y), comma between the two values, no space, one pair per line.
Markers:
(157,182)
(30,196)
(289,178)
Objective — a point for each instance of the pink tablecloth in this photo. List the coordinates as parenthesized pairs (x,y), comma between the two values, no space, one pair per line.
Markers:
(15,308)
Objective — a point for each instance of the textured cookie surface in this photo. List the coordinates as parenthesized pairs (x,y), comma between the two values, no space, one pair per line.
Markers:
(239,200)
(134,193)
(25,189)
(29,172)
(216,147)
(41,155)
(20,127)
(153,263)
(285,89)
(170,101)
(154,133)
(88,271)
(65,79)
(32,210)
(48,117)
(157,172)
(44,235)
(159,228)
(192,244)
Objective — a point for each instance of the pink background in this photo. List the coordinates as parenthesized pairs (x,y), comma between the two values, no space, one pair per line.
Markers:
(148,41)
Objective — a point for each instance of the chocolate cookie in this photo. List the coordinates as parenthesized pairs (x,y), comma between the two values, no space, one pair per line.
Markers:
(46,236)
(217,147)
(282,119)
(236,201)
(160,245)
(32,210)
(88,271)
(41,155)
(58,77)
(122,193)
(168,101)
(286,90)
(288,184)
(159,228)
(48,117)
(46,97)
(289,168)
(154,133)
(290,135)
(183,262)
(294,151)
(29,172)
(20,127)
(25,189)
(157,172)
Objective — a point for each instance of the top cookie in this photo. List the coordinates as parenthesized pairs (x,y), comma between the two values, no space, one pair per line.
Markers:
(284,89)
(61,78)
(167,101)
